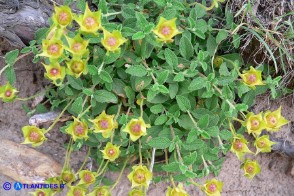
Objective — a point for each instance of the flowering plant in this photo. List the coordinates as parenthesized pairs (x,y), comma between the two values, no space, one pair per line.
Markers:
(145,80)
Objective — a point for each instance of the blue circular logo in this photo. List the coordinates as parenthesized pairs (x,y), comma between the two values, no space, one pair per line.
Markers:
(17,186)
(7,186)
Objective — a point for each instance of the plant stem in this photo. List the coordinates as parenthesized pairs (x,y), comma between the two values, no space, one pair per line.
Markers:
(66,153)
(103,169)
(111,14)
(59,116)
(100,166)
(28,98)
(85,160)
(141,108)
(85,111)
(140,153)
(193,120)
(3,69)
(152,159)
(120,175)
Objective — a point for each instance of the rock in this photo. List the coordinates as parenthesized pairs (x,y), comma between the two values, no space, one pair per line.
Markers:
(26,165)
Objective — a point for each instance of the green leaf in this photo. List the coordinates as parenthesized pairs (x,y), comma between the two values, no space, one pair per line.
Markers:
(103,6)
(137,70)
(171,167)
(190,159)
(92,69)
(159,142)
(10,74)
(186,48)
(104,96)
(141,21)
(223,70)
(222,35)
(138,35)
(88,91)
(156,109)
(170,57)
(162,77)
(105,76)
(197,84)
(179,77)
(163,89)
(130,94)
(161,120)
(211,45)
(183,102)
(173,90)
(76,83)
(204,121)
(10,57)
(77,106)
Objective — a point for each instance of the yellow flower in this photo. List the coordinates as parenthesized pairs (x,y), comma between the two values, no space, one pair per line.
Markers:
(177,191)
(251,168)
(101,191)
(136,128)
(77,45)
(76,191)
(90,22)
(140,176)
(42,192)
(212,187)
(7,93)
(87,177)
(33,135)
(55,72)
(78,129)
(52,48)
(112,41)
(104,124)
(77,67)
(166,29)
(67,176)
(239,146)
(111,152)
(263,144)
(217,61)
(252,77)
(136,192)
(62,16)
(274,120)
(254,123)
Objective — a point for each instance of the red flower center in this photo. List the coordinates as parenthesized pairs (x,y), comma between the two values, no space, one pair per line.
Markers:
(89,22)
(111,152)
(53,49)
(254,124)
(136,129)
(54,71)
(41,193)
(101,193)
(139,176)
(63,18)
(251,78)
(79,129)
(34,136)
(165,30)
(103,124)
(88,178)
(212,187)
(77,192)
(238,145)
(272,120)
(261,144)
(67,177)
(250,169)
(111,41)
(8,93)
(77,46)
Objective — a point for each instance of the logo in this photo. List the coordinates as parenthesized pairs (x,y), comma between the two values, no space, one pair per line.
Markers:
(7,186)
(17,186)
